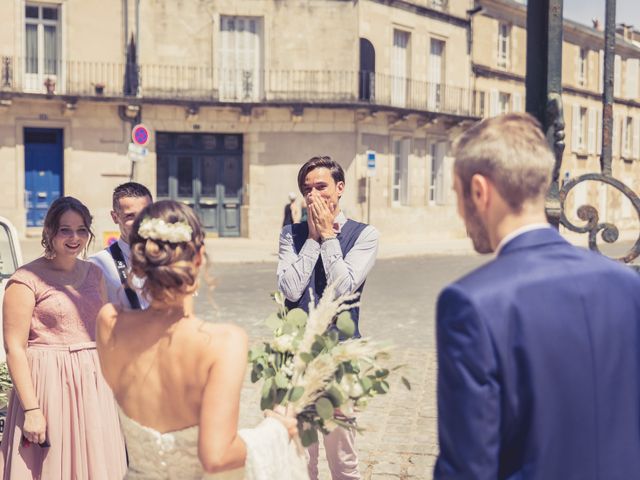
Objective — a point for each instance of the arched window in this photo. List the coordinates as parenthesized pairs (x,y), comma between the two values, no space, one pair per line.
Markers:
(366,89)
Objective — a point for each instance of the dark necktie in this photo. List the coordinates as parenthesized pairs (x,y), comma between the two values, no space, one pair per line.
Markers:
(320,278)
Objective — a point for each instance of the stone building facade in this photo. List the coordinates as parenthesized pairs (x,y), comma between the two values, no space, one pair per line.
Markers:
(499,66)
(235,95)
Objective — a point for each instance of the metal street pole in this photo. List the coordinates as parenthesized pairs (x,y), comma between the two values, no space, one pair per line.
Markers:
(544,84)
(608,82)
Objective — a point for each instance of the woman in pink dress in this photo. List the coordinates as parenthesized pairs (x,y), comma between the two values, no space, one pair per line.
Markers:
(62,422)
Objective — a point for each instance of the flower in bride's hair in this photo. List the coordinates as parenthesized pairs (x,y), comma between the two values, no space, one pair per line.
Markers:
(158,229)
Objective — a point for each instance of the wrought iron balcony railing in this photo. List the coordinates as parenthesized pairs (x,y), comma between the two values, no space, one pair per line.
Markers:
(205,84)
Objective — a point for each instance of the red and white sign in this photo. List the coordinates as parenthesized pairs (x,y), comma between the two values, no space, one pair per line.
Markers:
(140,135)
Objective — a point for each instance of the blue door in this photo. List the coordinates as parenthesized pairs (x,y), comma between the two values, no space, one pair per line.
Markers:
(43,171)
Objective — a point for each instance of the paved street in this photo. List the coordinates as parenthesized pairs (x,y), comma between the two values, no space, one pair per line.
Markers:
(398,304)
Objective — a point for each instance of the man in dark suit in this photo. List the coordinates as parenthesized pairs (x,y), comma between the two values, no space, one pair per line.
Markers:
(539,349)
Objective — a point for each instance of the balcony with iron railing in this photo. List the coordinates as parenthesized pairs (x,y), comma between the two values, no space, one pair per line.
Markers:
(202,84)
(442,5)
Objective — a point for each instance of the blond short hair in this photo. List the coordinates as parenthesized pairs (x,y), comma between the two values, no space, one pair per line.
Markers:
(512,151)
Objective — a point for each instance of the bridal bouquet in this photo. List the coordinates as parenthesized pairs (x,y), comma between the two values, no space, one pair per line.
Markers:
(5,384)
(305,367)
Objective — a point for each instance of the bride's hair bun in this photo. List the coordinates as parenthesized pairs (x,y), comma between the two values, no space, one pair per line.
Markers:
(164,250)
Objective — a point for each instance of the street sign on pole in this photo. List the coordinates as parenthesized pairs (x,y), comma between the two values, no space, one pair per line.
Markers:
(371,172)
(140,135)
(371,163)
(137,152)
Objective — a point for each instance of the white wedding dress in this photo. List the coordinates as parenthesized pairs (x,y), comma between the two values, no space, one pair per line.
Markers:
(174,455)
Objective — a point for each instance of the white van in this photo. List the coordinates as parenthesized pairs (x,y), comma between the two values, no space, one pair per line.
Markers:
(10,260)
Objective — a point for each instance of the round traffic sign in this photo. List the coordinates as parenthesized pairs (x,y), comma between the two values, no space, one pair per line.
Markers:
(140,135)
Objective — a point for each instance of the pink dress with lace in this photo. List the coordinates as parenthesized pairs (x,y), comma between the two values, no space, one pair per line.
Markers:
(82,418)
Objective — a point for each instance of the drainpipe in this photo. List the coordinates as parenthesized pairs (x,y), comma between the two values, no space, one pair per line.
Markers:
(472,77)
(138,30)
(125,11)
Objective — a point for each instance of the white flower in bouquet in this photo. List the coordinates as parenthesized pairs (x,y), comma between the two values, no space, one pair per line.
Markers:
(283,343)
(6,384)
(351,385)
(306,367)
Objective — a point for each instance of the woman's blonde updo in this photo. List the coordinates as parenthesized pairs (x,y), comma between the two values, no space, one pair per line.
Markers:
(169,268)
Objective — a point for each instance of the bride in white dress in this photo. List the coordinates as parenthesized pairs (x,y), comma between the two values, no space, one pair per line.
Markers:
(177,379)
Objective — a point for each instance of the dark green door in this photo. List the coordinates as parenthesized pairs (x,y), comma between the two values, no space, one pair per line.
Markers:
(204,171)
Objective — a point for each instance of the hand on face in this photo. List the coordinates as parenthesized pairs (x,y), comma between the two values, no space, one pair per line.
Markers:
(322,214)
(313,232)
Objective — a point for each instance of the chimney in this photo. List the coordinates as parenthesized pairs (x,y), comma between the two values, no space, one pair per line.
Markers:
(596,24)
(626,31)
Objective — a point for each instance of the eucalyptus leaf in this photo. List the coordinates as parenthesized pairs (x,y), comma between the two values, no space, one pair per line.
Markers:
(382,373)
(346,325)
(334,337)
(297,317)
(295,394)
(336,395)
(280,396)
(288,328)
(309,437)
(306,357)
(266,388)
(266,403)
(317,346)
(281,380)
(256,352)
(273,322)
(398,367)
(366,383)
(406,383)
(381,387)
(324,407)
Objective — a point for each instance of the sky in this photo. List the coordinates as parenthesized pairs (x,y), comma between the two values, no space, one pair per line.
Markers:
(627,11)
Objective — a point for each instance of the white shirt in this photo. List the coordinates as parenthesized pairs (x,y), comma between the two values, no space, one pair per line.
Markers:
(519,231)
(115,290)
(347,274)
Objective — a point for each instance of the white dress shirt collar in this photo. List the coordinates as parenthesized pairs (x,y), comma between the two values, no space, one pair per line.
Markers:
(519,231)
(126,250)
(340,220)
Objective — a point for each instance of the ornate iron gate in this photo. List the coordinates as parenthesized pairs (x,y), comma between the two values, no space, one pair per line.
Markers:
(544,101)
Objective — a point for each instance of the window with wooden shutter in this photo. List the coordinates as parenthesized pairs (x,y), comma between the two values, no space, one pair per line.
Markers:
(591,137)
(240,55)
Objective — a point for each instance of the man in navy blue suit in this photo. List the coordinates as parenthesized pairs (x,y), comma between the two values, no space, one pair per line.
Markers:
(539,349)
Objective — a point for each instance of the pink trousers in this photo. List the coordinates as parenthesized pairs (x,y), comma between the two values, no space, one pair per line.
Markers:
(340,447)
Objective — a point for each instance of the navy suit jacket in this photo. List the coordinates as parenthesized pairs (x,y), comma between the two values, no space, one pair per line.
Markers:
(539,366)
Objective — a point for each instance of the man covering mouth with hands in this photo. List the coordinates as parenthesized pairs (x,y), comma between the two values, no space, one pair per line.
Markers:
(326,249)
